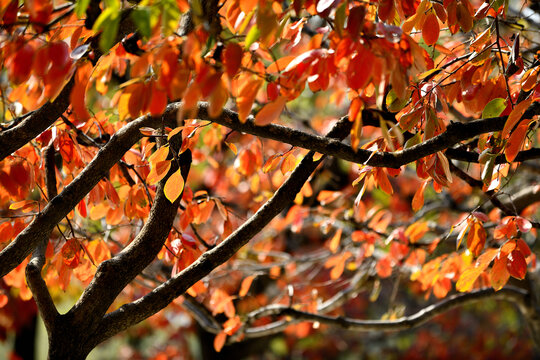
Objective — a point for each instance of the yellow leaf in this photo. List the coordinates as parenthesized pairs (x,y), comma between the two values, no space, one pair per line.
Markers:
(159,155)
(174,186)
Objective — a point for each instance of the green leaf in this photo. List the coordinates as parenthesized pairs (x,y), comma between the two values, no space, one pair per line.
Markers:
(80,7)
(170,16)
(252,36)
(108,21)
(494,108)
(113,4)
(415,140)
(394,103)
(339,17)
(142,16)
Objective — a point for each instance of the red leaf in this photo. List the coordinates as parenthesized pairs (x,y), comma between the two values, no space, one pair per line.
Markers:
(430,30)
(516,265)
(232,58)
(360,68)
(70,253)
(515,141)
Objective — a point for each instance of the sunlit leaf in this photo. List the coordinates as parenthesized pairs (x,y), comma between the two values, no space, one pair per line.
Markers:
(174,186)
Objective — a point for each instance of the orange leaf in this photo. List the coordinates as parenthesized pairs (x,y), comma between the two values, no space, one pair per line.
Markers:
(515,116)
(333,244)
(174,186)
(384,267)
(70,253)
(78,93)
(159,171)
(476,238)
(464,18)
(468,278)
(271,111)
(515,141)
(159,155)
(523,247)
(219,341)
(271,163)
(516,264)
(499,274)
(418,199)
(246,284)
(24,205)
(327,196)
(218,99)
(246,96)
(415,231)
(430,30)
(232,325)
(288,164)
(383,182)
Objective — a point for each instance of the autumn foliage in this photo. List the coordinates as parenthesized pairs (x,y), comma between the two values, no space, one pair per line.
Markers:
(263,165)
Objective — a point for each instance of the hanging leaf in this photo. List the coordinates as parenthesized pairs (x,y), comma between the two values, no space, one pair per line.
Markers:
(476,238)
(271,111)
(494,108)
(516,264)
(246,284)
(174,186)
(516,141)
(499,274)
(418,199)
(515,116)
(430,30)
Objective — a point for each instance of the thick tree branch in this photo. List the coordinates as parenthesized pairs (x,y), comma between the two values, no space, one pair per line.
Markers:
(58,207)
(113,275)
(16,137)
(159,298)
(454,133)
(33,270)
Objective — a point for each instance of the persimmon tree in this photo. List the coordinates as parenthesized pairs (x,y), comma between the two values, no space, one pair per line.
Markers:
(261,163)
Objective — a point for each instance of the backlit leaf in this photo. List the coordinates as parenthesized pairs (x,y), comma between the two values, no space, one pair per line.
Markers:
(430,30)
(516,264)
(499,274)
(515,116)
(174,186)
(246,284)
(494,108)
(515,141)
(271,111)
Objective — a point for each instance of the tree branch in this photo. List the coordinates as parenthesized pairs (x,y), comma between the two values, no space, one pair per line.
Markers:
(114,274)
(35,281)
(159,298)
(61,205)
(16,137)
(454,133)
(511,294)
